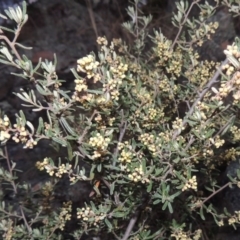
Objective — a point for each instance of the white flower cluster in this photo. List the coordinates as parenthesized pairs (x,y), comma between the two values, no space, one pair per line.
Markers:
(88,215)
(99,143)
(4,124)
(87,65)
(138,175)
(191,184)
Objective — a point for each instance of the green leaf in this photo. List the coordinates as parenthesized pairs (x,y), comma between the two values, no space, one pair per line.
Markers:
(176,160)
(55,60)
(22,117)
(22,46)
(64,94)
(97,190)
(112,186)
(30,126)
(83,151)
(67,127)
(228,126)
(156,201)
(7,29)
(95,91)
(99,167)
(109,225)
(21,97)
(1,153)
(119,214)
(24,8)
(60,141)
(158,171)
(121,181)
(42,91)
(3,205)
(170,207)
(3,16)
(70,152)
(40,126)
(20,75)
(165,205)
(75,73)
(76,161)
(38,65)
(176,194)
(209,189)
(149,188)
(201,213)
(49,118)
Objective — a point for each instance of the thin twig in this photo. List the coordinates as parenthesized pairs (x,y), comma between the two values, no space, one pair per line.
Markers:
(115,235)
(17,32)
(201,95)
(122,129)
(91,15)
(214,193)
(80,139)
(224,127)
(182,24)
(130,227)
(11,45)
(10,169)
(11,214)
(25,221)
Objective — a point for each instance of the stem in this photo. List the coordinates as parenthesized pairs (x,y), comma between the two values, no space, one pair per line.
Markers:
(219,190)
(130,227)
(10,170)
(12,46)
(182,24)
(25,221)
(91,15)
(201,95)
(80,139)
(122,129)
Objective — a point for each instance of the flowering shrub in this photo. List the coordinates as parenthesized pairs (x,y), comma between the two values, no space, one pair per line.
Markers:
(152,127)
